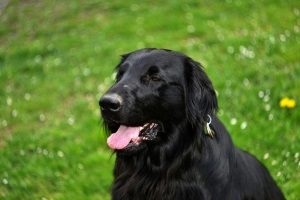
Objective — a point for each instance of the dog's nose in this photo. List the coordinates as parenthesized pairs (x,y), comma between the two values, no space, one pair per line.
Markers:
(111,102)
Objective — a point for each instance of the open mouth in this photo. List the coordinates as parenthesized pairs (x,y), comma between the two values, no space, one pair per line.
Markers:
(126,136)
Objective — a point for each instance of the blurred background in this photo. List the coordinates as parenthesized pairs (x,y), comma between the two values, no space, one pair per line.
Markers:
(57,58)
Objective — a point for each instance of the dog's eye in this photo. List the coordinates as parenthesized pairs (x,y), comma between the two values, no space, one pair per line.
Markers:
(155,77)
(153,73)
(148,78)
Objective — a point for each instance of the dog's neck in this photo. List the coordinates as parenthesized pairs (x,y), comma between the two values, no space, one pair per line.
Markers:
(182,149)
(185,141)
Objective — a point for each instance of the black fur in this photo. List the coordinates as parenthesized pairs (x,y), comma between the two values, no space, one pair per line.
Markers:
(185,163)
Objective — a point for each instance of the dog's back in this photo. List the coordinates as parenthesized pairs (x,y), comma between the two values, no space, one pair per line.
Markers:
(253,179)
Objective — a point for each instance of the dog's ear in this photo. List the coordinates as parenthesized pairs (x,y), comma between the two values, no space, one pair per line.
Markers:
(123,58)
(200,96)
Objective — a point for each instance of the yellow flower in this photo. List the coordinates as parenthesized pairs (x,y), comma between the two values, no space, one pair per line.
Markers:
(291,103)
(283,102)
(287,103)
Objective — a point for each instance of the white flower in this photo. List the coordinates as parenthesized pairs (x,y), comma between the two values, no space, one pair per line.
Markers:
(5,181)
(233,121)
(14,113)
(274,162)
(9,101)
(27,96)
(191,29)
(71,120)
(243,125)
(60,154)
(261,94)
(278,173)
(266,156)
(42,117)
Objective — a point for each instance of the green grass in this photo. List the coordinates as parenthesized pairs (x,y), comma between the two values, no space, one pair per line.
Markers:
(57,57)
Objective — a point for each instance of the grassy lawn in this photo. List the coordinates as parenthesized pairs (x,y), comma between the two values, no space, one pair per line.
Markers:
(57,57)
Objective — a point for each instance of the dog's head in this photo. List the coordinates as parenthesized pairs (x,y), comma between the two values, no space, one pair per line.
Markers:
(154,89)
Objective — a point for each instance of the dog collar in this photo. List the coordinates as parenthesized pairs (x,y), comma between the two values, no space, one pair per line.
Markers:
(208,130)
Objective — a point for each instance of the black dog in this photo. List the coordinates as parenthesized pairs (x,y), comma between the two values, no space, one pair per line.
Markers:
(169,143)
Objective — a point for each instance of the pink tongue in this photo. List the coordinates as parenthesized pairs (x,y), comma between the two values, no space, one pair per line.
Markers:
(121,138)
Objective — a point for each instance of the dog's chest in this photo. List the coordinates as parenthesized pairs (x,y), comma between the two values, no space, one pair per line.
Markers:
(153,188)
